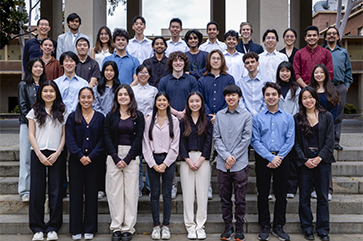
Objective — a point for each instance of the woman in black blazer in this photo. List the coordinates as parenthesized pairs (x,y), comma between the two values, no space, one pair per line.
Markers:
(123,129)
(314,145)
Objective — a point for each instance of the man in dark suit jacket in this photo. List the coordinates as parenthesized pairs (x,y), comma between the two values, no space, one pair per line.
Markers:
(246,45)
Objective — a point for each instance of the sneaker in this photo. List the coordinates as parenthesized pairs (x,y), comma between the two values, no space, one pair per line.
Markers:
(25,198)
(140,189)
(290,195)
(52,235)
(192,234)
(227,234)
(101,194)
(77,236)
(38,236)
(265,233)
(330,197)
(269,197)
(155,233)
(239,236)
(210,193)
(313,195)
(280,233)
(88,236)
(165,232)
(201,234)
(116,236)
(324,237)
(174,191)
(126,236)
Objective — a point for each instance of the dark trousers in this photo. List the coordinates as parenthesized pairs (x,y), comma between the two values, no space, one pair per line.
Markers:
(293,180)
(83,178)
(102,174)
(280,182)
(342,89)
(37,193)
(321,176)
(227,182)
(167,179)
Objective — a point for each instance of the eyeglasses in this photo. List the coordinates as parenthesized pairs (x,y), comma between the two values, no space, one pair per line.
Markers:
(143,73)
(331,33)
(216,59)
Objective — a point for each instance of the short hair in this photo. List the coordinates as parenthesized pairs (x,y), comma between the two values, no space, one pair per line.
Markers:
(231,33)
(212,22)
(120,32)
(82,38)
(156,38)
(245,23)
(197,33)
(141,67)
(42,18)
(231,89)
(71,55)
(73,16)
(176,20)
(271,85)
(270,31)
(311,28)
(138,17)
(289,29)
(252,55)
(325,33)
(175,55)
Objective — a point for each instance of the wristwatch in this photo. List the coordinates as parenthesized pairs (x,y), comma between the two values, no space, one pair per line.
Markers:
(320,159)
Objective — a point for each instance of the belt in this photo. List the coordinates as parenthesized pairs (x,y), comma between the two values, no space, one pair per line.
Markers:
(313,149)
(338,83)
(274,152)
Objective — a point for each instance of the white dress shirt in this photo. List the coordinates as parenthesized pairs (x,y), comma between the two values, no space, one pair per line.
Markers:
(100,56)
(269,63)
(209,46)
(178,46)
(145,97)
(235,65)
(141,50)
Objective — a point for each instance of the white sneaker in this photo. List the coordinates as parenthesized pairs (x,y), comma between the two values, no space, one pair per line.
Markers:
(38,236)
(101,194)
(174,191)
(25,198)
(313,195)
(201,234)
(192,234)
(290,195)
(88,236)
(330,197)
(52,235)
(155,233)
(210,193)
(270,197)
(165,233)
(77,237)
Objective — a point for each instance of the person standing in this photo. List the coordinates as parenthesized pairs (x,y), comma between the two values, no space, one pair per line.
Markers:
(197,58)
(246,45)
(212,41)
(175,43)
(342,76)
(104,45)
(290,50)
(53,69)
(273,138)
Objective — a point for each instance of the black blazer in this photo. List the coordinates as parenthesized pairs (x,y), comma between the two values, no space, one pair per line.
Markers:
(252,47)
(326,139)
(112,135)
(27,95)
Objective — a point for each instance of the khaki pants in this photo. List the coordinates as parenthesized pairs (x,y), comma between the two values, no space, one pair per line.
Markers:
(195,182)
(122,189)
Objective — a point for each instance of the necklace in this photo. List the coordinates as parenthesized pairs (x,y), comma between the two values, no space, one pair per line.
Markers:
(46,61)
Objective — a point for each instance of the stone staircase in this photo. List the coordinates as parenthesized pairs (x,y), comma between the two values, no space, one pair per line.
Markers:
(346,208)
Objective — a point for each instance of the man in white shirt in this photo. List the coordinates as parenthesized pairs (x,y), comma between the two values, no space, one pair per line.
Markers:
(212,41)
(175,43)
(139,46)
(271,58)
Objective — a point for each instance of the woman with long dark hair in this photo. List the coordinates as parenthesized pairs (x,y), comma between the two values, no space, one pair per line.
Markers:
(123,130)
(314,146)
(290,50)
(53,69)
(104,45)
(195,147)
(27,91)
(160,149)
(46,135)
(84,139)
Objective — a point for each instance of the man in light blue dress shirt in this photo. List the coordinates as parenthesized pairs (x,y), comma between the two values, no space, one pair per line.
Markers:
(175,43)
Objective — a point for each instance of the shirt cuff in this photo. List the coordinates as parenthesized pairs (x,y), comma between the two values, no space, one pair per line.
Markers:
(128,159)
(115,158)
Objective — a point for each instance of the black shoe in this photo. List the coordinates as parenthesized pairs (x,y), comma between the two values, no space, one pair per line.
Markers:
(309,235)
(227,234)
(116,236)
(324,237)
(126,236)
(280,233)
(338,147)
(265,233)
(239,236)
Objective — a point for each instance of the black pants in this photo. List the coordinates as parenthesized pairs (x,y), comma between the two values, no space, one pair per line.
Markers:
(37,193)
(279,185)
(83,178)
(102,174)
(293,180)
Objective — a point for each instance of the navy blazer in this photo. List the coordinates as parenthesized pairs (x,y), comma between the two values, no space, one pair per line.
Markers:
(252,47)
(325,139)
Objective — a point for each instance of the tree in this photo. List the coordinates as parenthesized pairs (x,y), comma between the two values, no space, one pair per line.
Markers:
(114,5)
(340,24)
(12,17)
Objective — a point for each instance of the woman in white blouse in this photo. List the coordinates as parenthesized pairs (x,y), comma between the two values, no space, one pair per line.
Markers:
(104,45)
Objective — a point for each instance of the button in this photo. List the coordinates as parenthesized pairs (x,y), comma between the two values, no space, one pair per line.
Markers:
(87,138)
(272,140)
(87,126)
(86,150)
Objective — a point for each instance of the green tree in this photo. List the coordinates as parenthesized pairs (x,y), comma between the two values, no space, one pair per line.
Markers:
(114,5)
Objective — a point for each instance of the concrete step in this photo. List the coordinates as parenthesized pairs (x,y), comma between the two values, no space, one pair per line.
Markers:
(342,224)
(340,204)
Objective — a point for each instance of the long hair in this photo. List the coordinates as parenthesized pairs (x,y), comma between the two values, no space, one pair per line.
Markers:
(293,85)
(28,78)
(132,108)
(301,115)
(78,111)
(223,67)
(168,112)
(101,87)
(58,107)
(111,45)
(331,91)
(203,121)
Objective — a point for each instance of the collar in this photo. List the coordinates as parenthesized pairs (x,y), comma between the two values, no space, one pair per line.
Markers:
(179,41)
(266,111)
(77,34)
(115,55)
(210,74)
(225,52)
(135,40)
(266,53)
(216,42)
(75,77)
(258,77)
(181,77)
(155,60)
(336,48)
(87,60)
(238,110)
(310,50)
(142,87)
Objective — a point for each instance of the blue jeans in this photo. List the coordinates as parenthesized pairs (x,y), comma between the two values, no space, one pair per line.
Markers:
(24,161)
(167,178)
(141,184)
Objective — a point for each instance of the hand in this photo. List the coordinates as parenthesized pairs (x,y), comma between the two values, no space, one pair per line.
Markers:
(310,164)
(179,115)
(121,164)
(199,163)
(53,157)
(230,161)
(276,162)
(315,160)
(163,166)
(85,160)
(270,165)
(158,169)
(213,118)
(44,160)
(191,164)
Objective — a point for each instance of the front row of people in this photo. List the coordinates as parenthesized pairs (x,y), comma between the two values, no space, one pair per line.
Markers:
(126,134)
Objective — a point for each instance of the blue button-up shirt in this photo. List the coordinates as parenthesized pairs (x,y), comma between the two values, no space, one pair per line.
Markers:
(103,103)
(273,132)
(69,89)
(342,66)
(211,87)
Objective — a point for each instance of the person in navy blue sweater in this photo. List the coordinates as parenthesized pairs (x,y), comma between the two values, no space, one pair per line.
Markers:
(84,139)
(246,45)
(197,58)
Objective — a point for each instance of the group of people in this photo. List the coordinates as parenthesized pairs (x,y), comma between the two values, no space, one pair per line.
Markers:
(129,100)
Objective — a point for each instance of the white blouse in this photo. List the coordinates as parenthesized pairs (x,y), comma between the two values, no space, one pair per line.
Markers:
(100,56)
